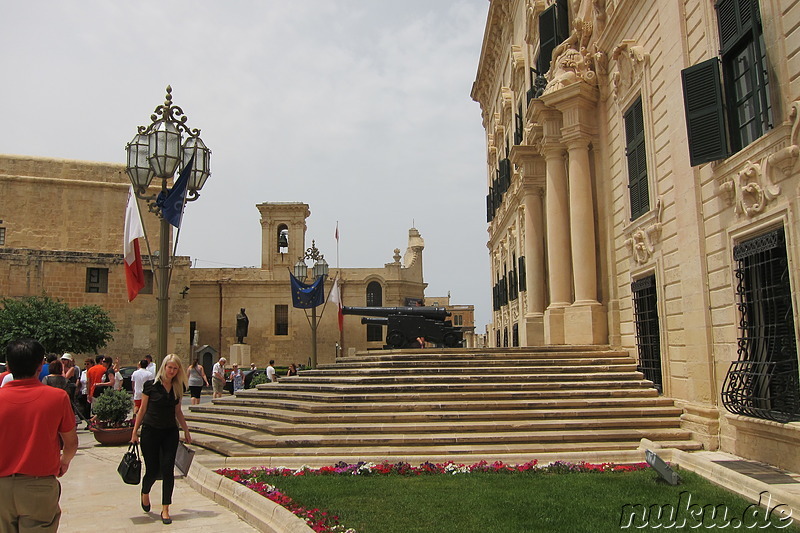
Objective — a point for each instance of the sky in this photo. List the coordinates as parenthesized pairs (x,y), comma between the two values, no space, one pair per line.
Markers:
(359,108)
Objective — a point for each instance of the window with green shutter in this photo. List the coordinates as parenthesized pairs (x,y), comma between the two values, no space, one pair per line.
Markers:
(553,29)
(718,127)
(637,160)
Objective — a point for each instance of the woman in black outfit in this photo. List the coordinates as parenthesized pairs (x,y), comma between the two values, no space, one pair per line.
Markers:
(159,416)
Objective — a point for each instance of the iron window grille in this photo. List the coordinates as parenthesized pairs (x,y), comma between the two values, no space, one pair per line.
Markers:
(648,340)
(281,320)
(763,382)
(2,236)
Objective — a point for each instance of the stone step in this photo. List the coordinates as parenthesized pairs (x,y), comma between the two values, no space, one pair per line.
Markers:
(414,370)
(257,438)
(483,353)
(509,453)
(471,364)
(381,407)
(379,418)
(461,427)
(433,379)
(466,385)
(334,395)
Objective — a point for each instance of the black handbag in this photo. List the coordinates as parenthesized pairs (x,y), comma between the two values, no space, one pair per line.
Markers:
(130,468)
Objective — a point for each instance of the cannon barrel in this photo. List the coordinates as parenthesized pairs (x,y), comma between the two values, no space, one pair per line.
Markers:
(379,320)
(436,313)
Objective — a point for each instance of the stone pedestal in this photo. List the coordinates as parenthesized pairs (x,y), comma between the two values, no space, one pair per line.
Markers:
(554,325)
(534,329)
(586,324)
(240,355)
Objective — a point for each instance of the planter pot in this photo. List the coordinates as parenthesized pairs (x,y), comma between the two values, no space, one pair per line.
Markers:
(112,436)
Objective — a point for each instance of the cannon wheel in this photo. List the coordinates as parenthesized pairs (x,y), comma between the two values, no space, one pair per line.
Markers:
(395,339)
(450,339)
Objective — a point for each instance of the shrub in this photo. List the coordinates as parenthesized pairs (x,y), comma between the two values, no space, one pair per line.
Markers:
(259,379)
(112,407)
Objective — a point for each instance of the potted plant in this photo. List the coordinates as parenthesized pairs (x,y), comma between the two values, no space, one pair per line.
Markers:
(111,424)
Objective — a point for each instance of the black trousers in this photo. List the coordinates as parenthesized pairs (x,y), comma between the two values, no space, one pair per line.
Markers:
(159,447)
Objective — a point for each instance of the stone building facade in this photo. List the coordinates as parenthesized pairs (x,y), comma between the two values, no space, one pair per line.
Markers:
(62,232)
(279,331)
(61,225)
(643,192)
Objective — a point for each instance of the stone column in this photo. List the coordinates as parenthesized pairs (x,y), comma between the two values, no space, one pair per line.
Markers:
(581,222)
(585,321)
(534,266)
(559,255)
(532,166)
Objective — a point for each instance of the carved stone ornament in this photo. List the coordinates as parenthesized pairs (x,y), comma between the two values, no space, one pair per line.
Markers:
(573,60)
(630,62)
(754,186)
(644,238)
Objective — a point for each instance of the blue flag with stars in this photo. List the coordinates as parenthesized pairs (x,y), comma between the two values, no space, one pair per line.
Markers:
(307,296)
(172,203)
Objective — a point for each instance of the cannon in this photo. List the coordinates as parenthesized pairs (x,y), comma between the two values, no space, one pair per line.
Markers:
(405,324)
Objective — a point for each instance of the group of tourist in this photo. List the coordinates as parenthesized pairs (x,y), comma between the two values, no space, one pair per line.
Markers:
(35,401)
(35,383)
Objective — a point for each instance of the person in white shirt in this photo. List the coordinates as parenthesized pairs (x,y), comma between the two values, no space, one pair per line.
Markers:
(151,366)
(218,377)
(271,371)
(138,379)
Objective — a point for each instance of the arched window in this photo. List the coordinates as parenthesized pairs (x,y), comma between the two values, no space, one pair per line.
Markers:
(374,294)
(374,299)
(283,239)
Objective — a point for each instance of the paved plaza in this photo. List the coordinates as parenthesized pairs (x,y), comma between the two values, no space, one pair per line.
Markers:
(94,498)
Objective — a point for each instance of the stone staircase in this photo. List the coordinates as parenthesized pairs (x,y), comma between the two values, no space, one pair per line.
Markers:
(464,404)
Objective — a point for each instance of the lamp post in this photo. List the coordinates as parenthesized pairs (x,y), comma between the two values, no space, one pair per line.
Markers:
(319,270)
(157,151)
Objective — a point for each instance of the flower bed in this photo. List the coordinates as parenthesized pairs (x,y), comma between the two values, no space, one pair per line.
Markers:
(322,521)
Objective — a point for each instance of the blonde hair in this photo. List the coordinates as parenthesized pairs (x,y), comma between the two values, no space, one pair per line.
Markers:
(179,382)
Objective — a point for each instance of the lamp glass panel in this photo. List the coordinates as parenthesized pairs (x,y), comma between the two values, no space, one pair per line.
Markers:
(195,147)
(138,167)
(165,148)
(300,270)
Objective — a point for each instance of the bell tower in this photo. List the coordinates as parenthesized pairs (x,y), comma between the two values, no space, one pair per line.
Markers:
(283,233)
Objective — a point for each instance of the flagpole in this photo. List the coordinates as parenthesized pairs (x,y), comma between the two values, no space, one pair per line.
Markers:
(339,277)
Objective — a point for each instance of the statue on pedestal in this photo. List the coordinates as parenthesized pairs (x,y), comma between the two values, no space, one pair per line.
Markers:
(242,322)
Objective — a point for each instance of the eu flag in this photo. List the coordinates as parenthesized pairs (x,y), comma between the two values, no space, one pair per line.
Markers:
(172,203)
(307,296)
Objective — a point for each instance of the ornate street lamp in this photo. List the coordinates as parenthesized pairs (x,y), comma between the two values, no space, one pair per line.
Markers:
(158,150)
(319,270)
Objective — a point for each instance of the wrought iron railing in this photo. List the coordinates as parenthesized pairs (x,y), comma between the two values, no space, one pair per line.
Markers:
(764,382)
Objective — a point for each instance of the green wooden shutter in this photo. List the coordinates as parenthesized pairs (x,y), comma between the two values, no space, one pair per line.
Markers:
(705,114)
(637,160)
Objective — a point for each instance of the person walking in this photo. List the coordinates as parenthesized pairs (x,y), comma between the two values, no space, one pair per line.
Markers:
(159,417)
(218,377)
(40,431)
(139,377)
(197,377)
(271,375)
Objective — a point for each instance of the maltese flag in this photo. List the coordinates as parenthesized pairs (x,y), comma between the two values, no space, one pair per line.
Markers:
(134,273)
(336,297)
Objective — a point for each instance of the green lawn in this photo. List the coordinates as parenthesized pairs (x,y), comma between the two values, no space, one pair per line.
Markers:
(514,503)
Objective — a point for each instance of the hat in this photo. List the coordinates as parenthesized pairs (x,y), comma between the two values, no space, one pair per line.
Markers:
(67,356)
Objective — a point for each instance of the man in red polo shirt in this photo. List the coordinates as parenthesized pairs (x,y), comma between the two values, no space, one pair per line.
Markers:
(95,375)
(36,420)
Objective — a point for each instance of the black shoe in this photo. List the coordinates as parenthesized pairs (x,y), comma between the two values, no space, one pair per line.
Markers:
(166,521)
(145,508)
